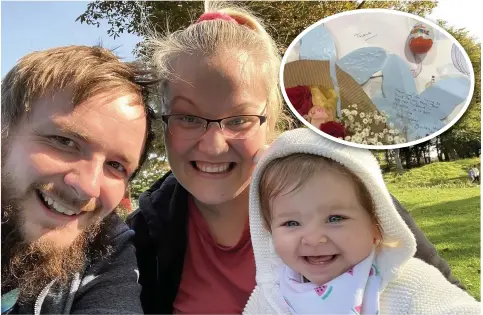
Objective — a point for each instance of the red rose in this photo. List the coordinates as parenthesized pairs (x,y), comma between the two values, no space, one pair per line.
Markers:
(301,98)
(334,129)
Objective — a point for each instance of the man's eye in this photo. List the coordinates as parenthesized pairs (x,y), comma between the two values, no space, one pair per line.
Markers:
(335,218)
(291,224)
(64,141)
(118,166)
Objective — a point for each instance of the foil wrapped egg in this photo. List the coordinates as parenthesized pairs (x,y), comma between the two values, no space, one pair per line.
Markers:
(420,39)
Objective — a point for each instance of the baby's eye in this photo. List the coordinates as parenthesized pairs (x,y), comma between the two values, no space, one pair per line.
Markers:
(291,223)
(335,218)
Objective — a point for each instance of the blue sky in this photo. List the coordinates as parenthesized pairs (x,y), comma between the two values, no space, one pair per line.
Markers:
(38,25)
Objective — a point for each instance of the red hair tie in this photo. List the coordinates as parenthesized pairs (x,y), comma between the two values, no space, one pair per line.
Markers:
(215,16)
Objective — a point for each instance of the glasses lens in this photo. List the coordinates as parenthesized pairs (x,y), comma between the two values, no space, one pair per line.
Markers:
(186,126)
(240,127)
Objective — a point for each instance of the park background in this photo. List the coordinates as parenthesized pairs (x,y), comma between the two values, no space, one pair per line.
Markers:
(430,179)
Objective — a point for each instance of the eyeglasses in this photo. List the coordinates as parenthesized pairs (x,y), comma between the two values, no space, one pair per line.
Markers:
(234,127)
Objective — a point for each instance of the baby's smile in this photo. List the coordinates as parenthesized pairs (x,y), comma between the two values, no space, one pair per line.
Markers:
(319,260)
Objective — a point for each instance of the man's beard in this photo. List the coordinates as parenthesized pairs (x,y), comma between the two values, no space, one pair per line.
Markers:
(30,266)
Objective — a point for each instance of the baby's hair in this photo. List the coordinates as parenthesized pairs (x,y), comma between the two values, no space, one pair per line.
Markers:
(207,38)
(294,171)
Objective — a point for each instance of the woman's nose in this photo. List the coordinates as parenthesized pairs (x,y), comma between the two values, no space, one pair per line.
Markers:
(213,141)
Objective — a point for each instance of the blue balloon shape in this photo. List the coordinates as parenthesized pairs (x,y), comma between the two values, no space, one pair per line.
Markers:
(362,63)
(317,44)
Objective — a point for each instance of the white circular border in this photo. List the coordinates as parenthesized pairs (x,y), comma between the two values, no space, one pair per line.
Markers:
(376,147)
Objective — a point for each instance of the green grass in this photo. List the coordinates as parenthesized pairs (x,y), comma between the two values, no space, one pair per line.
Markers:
(450,217)
(437,174)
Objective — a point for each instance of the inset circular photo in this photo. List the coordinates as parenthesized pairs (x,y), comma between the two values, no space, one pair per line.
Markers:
(377,78)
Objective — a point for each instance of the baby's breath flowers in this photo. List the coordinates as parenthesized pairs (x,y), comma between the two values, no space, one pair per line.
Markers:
(362,132)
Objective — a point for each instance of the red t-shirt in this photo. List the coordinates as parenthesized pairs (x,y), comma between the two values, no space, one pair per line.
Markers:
(216,279)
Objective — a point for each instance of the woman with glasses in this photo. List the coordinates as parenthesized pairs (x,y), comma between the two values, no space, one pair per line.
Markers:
(221,104)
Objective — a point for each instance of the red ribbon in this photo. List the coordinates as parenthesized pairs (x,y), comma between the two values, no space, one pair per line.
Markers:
(209,16)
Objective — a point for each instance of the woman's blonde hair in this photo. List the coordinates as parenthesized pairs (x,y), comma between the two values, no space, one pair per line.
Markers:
(206,38)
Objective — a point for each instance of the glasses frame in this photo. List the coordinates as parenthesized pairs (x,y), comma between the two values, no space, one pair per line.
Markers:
(165,119)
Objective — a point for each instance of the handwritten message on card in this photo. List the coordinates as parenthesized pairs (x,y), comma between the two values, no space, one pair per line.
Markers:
(365,35)
(417,114)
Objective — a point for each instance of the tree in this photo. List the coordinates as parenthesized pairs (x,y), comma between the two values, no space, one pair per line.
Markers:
(388,157)
(397,158)
(285,20)
(463,139)
(154,169)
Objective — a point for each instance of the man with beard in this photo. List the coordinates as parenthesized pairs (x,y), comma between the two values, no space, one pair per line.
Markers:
(75,130)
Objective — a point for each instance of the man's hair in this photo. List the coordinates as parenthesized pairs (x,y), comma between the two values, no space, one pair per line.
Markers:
(86,70)
(294,171)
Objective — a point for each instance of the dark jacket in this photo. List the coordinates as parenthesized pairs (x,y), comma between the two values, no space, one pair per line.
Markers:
(160,224)
(106,286)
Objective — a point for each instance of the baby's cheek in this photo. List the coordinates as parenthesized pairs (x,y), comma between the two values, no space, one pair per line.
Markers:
(281,243)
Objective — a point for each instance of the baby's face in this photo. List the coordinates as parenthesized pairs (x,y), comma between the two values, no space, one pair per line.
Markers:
(321,230)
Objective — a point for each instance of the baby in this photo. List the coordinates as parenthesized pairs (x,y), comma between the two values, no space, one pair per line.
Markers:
(327,238)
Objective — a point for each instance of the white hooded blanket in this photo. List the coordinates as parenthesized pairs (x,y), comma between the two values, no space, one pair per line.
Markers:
(408,285)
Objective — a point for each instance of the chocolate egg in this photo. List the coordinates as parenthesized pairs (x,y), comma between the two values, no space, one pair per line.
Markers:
(420,39)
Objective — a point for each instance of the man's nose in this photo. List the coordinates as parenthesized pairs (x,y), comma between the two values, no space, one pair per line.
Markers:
(86,178)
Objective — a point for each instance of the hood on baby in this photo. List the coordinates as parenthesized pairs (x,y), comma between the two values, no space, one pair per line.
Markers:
(365,166)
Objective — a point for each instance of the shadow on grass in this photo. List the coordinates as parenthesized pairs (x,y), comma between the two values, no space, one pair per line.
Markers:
(454,228)
(453,221)
(462,180)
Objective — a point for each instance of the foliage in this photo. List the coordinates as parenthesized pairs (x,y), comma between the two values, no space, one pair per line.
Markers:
(463,139)
(284,19)
(154,169)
